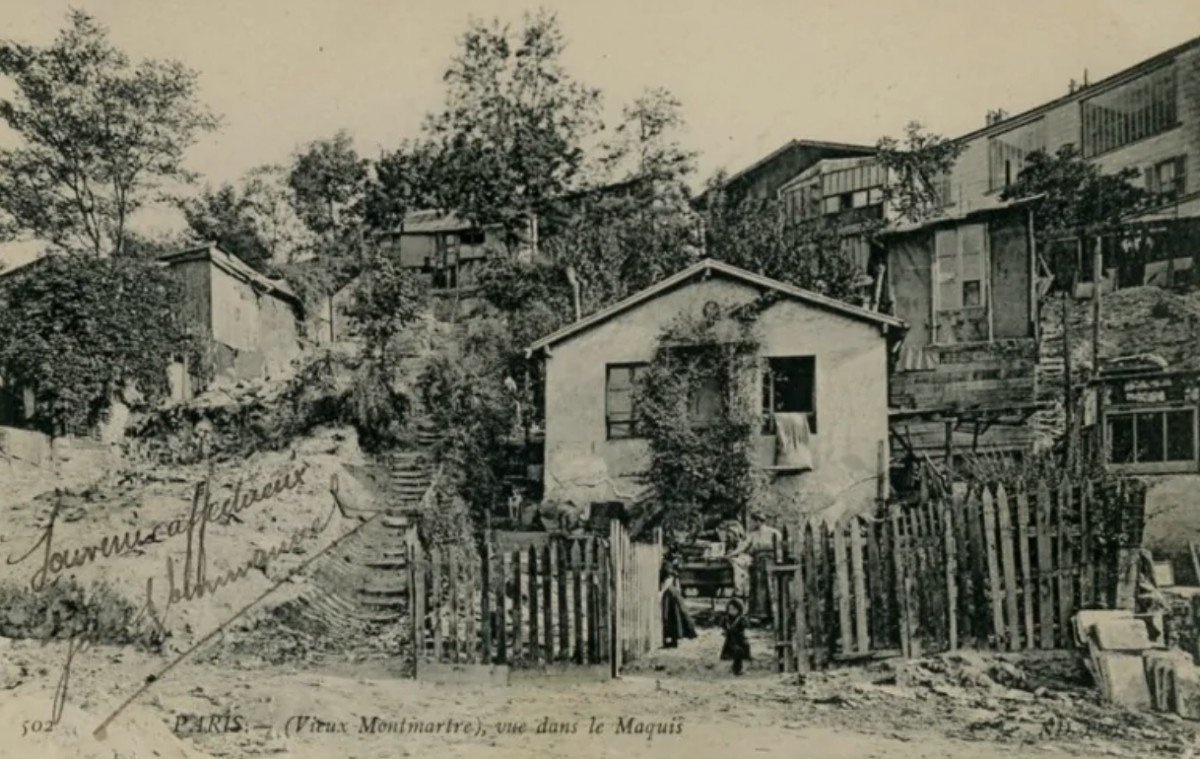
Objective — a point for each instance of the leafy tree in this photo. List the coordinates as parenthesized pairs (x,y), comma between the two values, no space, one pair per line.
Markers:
(509,138)
(1075,200)
(329,179)
(256,222)
(753,235)
(916,165)
(634,225)
(1076,196)
(99,134)
(77,328)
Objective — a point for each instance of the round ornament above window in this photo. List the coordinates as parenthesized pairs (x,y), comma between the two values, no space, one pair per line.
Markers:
(712,310)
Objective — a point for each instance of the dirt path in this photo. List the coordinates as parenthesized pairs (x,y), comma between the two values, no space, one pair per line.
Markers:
(692,713)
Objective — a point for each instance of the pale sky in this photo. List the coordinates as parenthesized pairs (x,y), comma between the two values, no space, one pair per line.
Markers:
(751,75)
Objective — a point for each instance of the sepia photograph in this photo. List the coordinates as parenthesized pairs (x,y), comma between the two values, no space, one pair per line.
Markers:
(599,380)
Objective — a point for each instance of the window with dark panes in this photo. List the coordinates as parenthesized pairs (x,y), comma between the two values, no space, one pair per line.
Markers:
(620,405)
(1152,437)
(1134,111)
(789,386)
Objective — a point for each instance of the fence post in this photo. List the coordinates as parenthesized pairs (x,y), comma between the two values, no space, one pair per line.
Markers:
(951,570)
(902,605)
(993,566)
(618,572)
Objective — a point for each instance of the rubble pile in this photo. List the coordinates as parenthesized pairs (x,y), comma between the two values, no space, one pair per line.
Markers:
(1028,698)
(227,423)
(1134,321)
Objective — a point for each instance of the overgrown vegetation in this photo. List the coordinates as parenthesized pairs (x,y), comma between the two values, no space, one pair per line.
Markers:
(79,329)
(65,610)
(696,406)
(473,408)
(98,134)
(917,166)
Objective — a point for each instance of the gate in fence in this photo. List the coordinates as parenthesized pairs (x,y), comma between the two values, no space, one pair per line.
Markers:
(988,568)
(534,603)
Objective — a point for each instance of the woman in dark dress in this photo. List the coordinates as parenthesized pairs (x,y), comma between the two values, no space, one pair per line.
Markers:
(676,622)
(736,648)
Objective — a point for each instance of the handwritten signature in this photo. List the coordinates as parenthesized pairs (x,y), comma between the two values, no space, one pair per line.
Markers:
(192,581)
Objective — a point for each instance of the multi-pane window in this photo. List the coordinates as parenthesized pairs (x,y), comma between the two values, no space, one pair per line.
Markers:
(959,267)
(1167,180)
(1153,437)
(789,386)
(1007,152)
(1131,112)
(620,405)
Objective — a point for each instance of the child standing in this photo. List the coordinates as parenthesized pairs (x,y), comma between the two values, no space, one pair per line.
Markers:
(736,648)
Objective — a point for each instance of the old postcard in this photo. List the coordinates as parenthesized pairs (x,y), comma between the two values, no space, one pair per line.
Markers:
(403,378)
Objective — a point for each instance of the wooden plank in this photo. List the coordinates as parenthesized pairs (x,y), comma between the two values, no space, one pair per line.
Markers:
(1045,565)
(876,594)
(501,610)
(935,550)
(470,586)
(1065,566)
(1009,566)
(535,644)
(978,570)
(453,645)
(862,637)
(418,586)
(1028,636)
(962,564)
(485,600)
(916,587)
(823,601)
(1087,586)
(547,596)
(799,626)
(560,574)
(887,584)
(614,548)
(843,586)
(901,586)
(951,570)
(518,624)
(437,601)
(812,591)
(577,597)
(989,540)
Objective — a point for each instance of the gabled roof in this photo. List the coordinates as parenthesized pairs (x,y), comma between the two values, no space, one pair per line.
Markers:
(704,268)
(233,266)
(844,146)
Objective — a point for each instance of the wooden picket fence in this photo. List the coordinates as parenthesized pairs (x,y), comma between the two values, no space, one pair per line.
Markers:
(988,568)
(639,606)
(535,602)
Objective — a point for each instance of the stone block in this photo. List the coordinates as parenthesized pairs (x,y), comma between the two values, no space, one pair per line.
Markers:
(1121,635)
(1122,679)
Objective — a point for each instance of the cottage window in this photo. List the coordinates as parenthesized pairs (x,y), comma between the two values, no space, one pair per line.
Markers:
(789,386)
(959,267)
(1166,181)
(1156,438)
(620,405)
(1134,111)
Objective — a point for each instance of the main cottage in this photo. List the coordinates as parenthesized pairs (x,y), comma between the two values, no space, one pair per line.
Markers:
(819,359)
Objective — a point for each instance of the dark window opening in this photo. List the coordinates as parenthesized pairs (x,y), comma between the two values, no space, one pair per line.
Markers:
(789,386)
(1152,437)
(620,405)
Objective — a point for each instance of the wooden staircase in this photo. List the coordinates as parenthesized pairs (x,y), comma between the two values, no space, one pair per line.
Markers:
(366,580)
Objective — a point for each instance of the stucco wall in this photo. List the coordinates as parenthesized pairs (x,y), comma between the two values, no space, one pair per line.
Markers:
(851,397)
(260,328)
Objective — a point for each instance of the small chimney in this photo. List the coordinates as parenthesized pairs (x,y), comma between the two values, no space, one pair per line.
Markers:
(996,116)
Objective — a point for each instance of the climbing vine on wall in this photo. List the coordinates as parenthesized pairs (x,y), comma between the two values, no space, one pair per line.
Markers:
(77,329)
(697,406)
